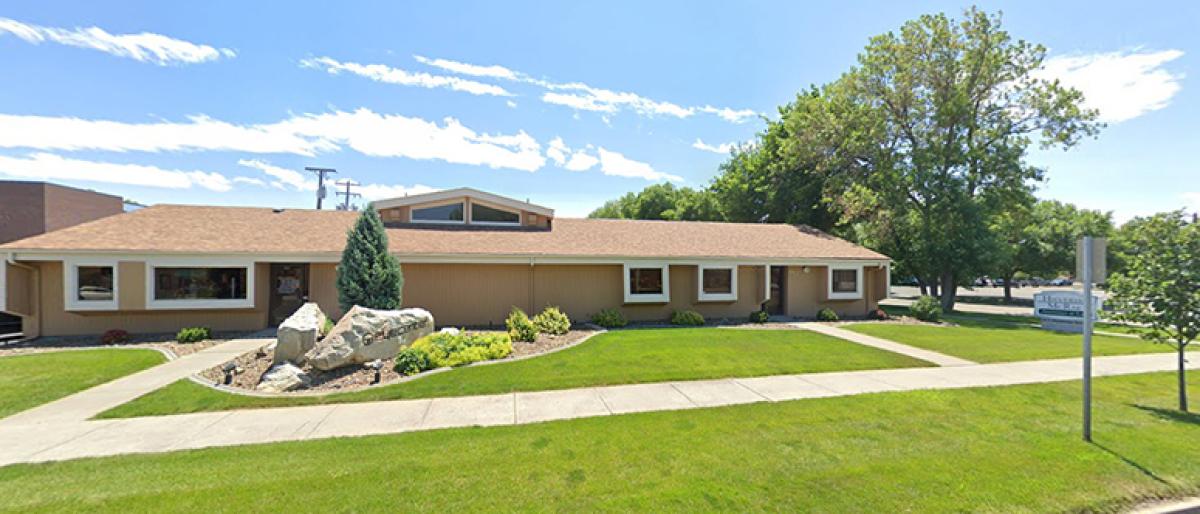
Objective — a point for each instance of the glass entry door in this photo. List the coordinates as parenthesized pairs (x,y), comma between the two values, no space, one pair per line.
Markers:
(774,305)
(289,290)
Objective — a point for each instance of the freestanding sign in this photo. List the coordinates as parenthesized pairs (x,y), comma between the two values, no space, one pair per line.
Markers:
(1062,311)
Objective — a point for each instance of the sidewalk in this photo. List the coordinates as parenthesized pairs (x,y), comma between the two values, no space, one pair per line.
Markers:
(85,404)
(1011,310)
(37,439)
(940,359)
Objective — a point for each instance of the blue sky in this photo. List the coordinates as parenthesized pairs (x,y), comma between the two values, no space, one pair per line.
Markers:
(565,103)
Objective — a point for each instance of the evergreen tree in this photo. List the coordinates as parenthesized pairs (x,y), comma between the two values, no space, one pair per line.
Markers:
(368,275)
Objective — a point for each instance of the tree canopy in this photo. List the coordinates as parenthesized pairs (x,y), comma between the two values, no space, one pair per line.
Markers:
(368,275)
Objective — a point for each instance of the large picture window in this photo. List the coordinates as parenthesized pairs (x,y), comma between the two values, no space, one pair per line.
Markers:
(647,283)
(845,283)
(449,213)
(488,215)
(718,283)
(200,283)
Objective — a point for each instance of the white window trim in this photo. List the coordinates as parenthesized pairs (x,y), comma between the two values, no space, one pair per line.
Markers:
(71,301)
(858,283)
(237,303)
(664,297)
(462,201)
(494,223)
(731,296)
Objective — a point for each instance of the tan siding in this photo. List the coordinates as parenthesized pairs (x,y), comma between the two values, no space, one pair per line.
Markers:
(55,320)
(322,288)
(18,290)
(467,294)
(131,286)
(808,292)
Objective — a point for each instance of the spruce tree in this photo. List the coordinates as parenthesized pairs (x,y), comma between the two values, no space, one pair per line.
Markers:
(368,275)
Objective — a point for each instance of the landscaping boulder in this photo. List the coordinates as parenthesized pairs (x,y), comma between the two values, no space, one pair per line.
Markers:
(282,377)
(299,333)
(364,335)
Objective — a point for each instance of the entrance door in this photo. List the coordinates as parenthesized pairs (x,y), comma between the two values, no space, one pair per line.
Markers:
(774,305)
(289,290)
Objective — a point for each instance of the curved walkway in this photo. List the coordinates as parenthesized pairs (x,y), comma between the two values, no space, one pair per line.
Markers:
(51,436)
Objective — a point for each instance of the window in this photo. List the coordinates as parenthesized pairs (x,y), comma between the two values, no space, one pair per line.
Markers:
(488,215)
(90,286)
(845,283)
(646,282)
(718,283)
(449,213)
(174,285)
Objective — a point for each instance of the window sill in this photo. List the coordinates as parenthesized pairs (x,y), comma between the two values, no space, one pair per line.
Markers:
(198,304)
(657,298)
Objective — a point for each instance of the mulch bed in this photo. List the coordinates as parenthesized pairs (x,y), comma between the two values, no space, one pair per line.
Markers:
(251,366)
(156,341)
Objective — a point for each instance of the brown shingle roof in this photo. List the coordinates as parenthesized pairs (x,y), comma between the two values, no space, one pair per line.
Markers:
(205,229)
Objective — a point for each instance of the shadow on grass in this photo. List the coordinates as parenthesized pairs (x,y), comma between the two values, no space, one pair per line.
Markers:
(1144,470)
(1170,414)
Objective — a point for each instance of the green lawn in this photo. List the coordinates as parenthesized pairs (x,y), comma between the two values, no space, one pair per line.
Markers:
(1002,343)
(1003,449)
(619,357)
(983,319)
(27,381)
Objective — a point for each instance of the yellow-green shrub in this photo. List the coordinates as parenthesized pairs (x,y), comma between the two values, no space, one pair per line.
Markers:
(448,349)
(520,327)
(552,321)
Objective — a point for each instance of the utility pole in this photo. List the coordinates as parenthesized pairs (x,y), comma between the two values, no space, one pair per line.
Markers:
(1087,338)
(347,194)
(320,172)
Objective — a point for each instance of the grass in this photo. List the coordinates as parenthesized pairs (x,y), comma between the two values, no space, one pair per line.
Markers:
(619,357)
(27,381)
(1004,449)
(983,319)
(989,342)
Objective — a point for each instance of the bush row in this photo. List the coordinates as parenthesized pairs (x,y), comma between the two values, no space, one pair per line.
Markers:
(451,349)
(550,321)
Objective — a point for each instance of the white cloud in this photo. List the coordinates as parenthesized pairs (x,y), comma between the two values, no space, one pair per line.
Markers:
(390,75)
(284,178)
(248,180)
(473,70)
(584,97)
(617,165)
(372,192)
(510,103)
(363,130)
(581,161)
(557,151)
(144,46)
(1122,85)
(723,148)
(47,166)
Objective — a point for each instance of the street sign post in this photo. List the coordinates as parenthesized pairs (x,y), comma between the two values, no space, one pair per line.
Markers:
(1090,250)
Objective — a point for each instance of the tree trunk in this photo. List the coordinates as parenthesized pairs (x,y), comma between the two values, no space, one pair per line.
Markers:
(1008,288)
(1183,403)
(949,288)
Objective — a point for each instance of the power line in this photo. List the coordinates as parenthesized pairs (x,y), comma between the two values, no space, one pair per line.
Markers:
(347,194)
(320,172)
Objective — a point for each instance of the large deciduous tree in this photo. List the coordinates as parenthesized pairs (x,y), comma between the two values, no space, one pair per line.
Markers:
(662,202)
(1160,285)
(368,275)
(944,112)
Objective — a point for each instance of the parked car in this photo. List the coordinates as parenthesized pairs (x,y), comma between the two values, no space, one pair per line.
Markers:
(1061,282)
(983,282)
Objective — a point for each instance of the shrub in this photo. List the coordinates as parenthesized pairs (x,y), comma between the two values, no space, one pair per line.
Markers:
(609,318)
(327,327)
(878,314)
(759,317)
(450,349)
(193,335)
(115,336)
(926,308)
(687,318)
(827,314)
(411,361)
(368,275)
(520,327)
(552,321)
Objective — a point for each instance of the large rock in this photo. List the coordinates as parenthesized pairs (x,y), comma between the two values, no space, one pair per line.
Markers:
(299,333)
(281,378)
(364,335)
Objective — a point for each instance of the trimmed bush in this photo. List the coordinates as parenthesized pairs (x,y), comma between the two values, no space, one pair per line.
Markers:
(609,318)
(193,335)
(327,327)
(447,349)
(878,314)
(827,314)
(552,321)
(411,361)
(115,336)
(759,317)
(926,308)
(687,318)
(368,276)
(520,327)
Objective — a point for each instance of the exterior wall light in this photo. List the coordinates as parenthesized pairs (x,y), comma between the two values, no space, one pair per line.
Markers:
(230,369)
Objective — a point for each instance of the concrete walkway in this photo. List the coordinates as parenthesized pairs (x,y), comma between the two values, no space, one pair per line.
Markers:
(940,359)
(85,404)
(981,308)
(44,438)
